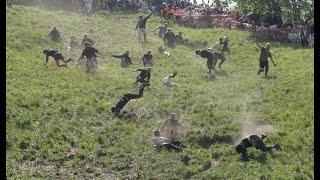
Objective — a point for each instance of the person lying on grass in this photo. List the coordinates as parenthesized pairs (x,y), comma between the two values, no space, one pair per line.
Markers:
(125,59)
(163,51)
(210,58)
(254,141)
(171,128)
(162,142)
(57,56)
(125,99)
(168,80)
(263,59)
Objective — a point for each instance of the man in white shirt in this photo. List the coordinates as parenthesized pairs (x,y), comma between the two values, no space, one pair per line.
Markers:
(168,80)
(163,142)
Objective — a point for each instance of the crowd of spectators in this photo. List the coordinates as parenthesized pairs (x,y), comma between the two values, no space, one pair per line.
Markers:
(195,15)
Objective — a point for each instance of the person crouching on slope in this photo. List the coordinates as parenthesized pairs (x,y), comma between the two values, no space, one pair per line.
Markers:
(254,141)
(57,57)
(210,58)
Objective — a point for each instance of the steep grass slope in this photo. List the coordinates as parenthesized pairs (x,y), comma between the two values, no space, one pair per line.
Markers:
(59,125)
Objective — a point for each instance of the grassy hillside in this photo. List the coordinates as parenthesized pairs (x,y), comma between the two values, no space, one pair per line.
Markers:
(59,122)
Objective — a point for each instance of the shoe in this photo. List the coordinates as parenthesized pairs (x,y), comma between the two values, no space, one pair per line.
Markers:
(277,146)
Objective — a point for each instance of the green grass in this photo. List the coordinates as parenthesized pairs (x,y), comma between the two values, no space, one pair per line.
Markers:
(48,108)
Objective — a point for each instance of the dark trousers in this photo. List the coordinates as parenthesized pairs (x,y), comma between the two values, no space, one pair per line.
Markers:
(264,66)
(135,96)
(259,145)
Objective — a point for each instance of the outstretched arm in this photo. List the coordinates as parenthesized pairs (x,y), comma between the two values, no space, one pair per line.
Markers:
(148,15)
(259,45)
(174,74)
(155,29)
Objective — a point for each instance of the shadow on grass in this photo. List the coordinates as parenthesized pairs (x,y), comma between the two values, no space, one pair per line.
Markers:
(221,73)
(271,77)
(262,158)
(208,77)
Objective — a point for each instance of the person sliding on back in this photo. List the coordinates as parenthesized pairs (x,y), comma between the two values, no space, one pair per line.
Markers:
(141,26)
(126,98)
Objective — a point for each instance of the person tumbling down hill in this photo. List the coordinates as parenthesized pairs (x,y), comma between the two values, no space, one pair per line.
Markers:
(210,58)
(125,59)
(57,56)
(144,76)
(168,80)
(264,55)
(163,51)
(254,141)
(162,142)
(126,98)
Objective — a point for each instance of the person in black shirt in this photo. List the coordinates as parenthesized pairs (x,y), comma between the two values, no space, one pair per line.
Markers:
(125,59)
(55,35)
(144,76)
(264,55)
(210,58)
(170,38)
(57,57)
(147,59)
(126,98)
(179,38)
(162,30)
(226,45)
(141,26)
(90,54)
(254,141)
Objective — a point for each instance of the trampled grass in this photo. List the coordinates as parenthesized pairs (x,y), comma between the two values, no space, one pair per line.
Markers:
(59,122)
